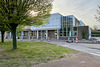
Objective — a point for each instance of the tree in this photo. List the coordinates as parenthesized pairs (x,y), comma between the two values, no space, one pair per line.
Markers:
(19,29)
(98,12)
(95,27)
(19,12)
(3,28)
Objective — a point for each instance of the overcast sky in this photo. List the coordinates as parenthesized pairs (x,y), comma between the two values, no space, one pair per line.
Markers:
(84,10)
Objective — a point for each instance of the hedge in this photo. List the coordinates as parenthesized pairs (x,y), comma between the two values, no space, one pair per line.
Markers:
(95,32)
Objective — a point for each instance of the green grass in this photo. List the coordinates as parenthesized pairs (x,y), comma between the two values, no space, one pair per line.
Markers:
(30,53)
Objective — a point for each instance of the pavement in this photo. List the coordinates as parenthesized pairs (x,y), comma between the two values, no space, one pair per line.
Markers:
(81,60)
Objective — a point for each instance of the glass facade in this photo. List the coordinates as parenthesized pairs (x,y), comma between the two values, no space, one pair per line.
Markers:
(67,27)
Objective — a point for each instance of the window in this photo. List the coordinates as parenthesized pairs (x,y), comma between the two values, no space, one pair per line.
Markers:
(64,18)
(64,33)
(75,33)
(31,33)
(75,28)
(34,33)
(60,33)
(68,28)
(55,32)
(24,33)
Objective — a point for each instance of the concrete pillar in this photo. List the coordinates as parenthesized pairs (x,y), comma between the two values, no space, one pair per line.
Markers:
(57,34)
(41,35)
(29,32)
(22,35)
(5,35)
(10,35)
(37,34)
(46,34)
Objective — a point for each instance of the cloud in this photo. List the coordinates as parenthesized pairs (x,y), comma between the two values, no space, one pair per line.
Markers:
(83,9)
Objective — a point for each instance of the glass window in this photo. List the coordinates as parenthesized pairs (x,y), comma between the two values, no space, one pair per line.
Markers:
(64,18)
(34,33)
(60,33)
(31,33)
(55,32)
(64,29)
(75,33)
(68,28)
(68,33)
(64,33)
(24,33)
(75,28)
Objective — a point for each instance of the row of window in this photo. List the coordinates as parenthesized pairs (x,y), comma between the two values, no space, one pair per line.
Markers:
(69,33)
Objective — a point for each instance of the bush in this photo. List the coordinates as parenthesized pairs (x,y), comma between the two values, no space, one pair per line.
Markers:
(95,32)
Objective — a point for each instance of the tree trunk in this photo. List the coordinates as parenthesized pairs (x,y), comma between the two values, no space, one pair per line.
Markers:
(14,38)
(2,36)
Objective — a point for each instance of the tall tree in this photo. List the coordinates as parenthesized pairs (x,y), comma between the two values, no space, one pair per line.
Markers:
(19,12)
(3,28)
(98,12)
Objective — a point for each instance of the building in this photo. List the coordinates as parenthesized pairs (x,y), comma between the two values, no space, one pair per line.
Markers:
(58,27)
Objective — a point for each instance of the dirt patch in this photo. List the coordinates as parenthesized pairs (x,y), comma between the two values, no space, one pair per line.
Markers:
(79,60)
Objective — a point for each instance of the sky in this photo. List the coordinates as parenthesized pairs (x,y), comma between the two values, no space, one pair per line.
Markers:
(84,10)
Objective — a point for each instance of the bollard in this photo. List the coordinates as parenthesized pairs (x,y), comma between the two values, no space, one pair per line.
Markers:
(76,39)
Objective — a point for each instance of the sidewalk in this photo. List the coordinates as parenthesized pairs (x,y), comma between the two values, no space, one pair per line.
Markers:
(81,60)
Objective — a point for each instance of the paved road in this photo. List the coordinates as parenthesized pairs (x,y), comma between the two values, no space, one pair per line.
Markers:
(93,49)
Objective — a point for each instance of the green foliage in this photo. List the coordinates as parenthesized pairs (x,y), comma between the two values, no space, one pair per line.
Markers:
(30,53)
(95,32)
(98,12)
(75,28)
(3,27)
(19,29)
(19,12)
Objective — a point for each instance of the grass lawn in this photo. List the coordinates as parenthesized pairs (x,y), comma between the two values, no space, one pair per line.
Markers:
(30,53)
